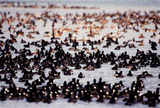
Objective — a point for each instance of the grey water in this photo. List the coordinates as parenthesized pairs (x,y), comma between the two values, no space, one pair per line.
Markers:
(153,3)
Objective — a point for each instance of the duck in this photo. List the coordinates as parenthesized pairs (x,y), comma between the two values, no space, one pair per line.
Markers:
(115,67)
(53,74)
(118,75)
(87,96)
(153,47)
(1,32)
(132,46)
(2,37)
(3,94)
(113,99)
(67,71)
(131,99)
(141,36)
(73,97)
(27,45)
(117,48)
(77,66)
(84,44)
(81,75)
(101,96)
(134,68)
(129,73)
(27,83)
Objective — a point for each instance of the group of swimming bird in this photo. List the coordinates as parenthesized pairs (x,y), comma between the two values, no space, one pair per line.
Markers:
(22,56)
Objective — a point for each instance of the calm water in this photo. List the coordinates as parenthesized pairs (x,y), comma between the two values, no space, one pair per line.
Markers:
(155,3)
